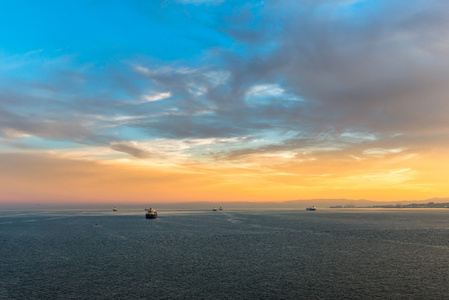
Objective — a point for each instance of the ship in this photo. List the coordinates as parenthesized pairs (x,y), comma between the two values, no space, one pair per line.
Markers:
(114,209)
(214,209)
(311,208)
(151,213)
(221,208)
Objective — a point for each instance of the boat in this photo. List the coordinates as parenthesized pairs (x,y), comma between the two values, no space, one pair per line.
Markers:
(114,209)
(221,208)
(214,209)
(311,208)
(151,213)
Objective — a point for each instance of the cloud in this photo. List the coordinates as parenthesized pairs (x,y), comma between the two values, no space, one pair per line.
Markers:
(359,67)
(130,148)
(12,133)
(367,67)
(391,177)
(360,72)
(379,152)
(14,125)
(275,91)
(175,150)
(156,97)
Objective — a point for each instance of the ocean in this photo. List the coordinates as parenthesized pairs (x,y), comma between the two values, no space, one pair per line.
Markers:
(239,254)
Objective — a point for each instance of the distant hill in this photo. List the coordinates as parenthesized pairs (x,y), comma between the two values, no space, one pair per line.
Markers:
(202,205)
(294,204)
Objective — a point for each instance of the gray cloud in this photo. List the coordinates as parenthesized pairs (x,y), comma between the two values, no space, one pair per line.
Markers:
(132,150)
(381,69)
(378,68)
(368,69)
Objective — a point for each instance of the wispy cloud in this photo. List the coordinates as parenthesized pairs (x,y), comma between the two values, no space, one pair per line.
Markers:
(379,152)
(275,91)
(156,97)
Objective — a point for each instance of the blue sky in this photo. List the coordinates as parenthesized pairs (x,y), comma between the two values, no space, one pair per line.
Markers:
(102,31)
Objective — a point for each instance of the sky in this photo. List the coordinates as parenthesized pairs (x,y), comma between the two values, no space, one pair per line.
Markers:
(215,100)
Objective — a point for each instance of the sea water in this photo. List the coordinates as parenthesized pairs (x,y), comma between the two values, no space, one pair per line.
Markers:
(263,254)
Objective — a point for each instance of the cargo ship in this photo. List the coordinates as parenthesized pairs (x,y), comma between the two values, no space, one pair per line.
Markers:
(311,208)
(151,213)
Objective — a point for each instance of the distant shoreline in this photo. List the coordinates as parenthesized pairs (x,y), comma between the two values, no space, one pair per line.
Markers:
(291,204)
(398,205)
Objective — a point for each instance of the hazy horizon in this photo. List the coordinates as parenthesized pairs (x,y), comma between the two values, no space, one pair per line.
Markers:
(207,205)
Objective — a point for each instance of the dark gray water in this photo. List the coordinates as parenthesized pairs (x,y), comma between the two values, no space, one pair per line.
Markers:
(327,254)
